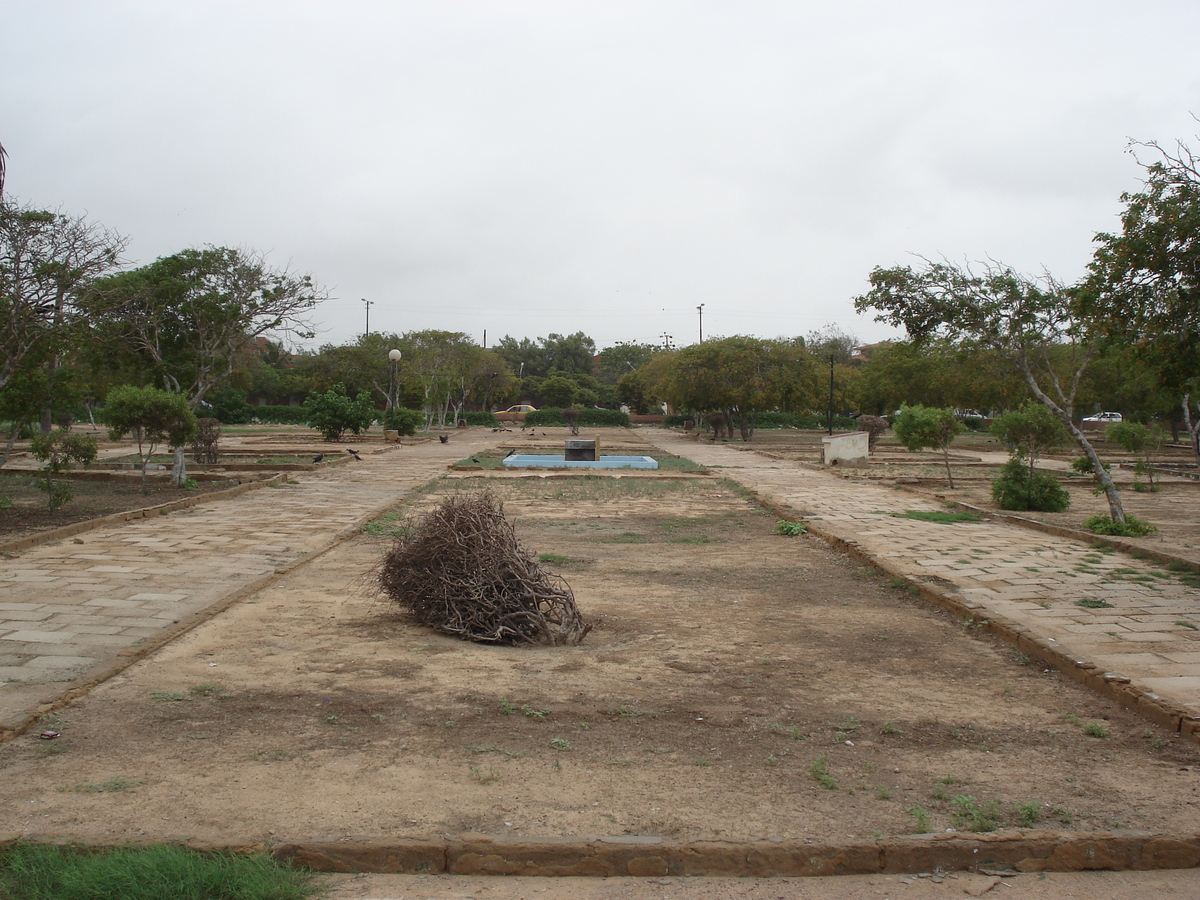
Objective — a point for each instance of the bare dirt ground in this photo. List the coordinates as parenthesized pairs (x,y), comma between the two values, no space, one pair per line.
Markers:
(738,684)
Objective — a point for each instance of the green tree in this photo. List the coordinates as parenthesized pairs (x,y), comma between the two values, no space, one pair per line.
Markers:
(1144,283)
(192,317)
(152,416)
(56,452)
(1036,325)
(928,428)
(1134,437)
(1031,430)
(333,413)
(558,391)
(740,376)
(614,363)
(48,261)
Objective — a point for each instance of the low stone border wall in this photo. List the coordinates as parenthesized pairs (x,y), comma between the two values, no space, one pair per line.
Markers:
(999,853)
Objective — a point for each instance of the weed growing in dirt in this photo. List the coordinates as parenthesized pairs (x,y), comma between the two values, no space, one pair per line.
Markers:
(1027,814)
(116,785)
(168,696)
(883,792)
(920,820)
(1191,625)
(484,776)
(899,584)
(1095,729)
(889,728)
(561,744)
(819,770)
(790,529)
(35,872)
(968,814)
(1093,603)
(389,525)
(1062,814)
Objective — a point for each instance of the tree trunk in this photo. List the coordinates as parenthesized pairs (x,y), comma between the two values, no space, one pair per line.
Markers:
(1193,430)
(179,468)
(946,457)
(1116,510)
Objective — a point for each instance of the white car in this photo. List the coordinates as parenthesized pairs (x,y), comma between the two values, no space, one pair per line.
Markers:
(1105,417)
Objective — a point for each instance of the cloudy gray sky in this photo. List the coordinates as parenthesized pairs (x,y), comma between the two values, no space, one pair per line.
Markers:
(534,167)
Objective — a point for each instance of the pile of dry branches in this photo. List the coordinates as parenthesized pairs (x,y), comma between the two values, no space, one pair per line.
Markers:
(461,571)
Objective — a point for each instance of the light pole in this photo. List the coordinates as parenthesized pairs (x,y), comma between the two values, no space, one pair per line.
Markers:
(394,385)
(831,395)
(700,309)
(368,302)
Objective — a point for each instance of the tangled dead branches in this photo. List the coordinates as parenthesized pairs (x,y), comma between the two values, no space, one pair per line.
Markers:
(461,571)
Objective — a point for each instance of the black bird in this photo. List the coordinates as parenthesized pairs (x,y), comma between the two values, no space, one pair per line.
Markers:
(318,457)
(354,453)
(444,438)
(510,452)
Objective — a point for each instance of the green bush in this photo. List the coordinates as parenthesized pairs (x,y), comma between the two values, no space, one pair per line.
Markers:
(595,418)
(482,417)
(1131,527)
(333,413)
(405,421)
(1016,488)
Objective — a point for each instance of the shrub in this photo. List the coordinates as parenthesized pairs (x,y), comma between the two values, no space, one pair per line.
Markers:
(206,445)
(874,427)
(926,427)
(596,418)
(1017,488)
(333,413)
(406,421)
(1131,527)
(56,451)
(481,417)
(153,417)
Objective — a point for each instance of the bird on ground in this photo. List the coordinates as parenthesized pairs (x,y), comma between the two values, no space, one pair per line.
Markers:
(318,457)
(444,438)
(510,452)
(354,453)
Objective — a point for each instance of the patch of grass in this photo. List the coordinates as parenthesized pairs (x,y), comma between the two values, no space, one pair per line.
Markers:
(889,728)
(790,529)
(819,770)
(883,792)
(1062,814)
(691,539)
(968,814)
(1095,729)
(388,525)
(1071,719)
(625,537)
(897,583)
(1191,625)
(561,744)
(36,872)
(1093,603)
(529,712)
(1178,566)
(117,785)
(940,793)
(941,517)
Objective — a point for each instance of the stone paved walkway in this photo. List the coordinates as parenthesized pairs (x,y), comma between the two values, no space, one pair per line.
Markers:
(1118,618)
(72,605)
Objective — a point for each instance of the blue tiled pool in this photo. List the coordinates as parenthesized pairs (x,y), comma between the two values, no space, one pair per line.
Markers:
(531,461)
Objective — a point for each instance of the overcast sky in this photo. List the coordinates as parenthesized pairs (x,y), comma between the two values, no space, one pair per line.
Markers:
(534,167)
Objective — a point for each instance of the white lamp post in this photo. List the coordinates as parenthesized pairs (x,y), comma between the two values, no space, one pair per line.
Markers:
(394,392)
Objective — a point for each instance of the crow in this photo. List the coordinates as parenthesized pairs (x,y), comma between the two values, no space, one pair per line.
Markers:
(444,438)
(354,453)
(318,457)
(510,452)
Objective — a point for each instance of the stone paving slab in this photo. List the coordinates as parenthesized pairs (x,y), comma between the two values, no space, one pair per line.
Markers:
(74,605)
(1127,626)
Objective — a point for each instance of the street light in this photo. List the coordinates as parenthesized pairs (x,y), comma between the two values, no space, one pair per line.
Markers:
(394,386)
(700,309)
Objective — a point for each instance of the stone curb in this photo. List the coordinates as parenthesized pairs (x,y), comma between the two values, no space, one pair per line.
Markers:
(100,673)
(1120,688)
(1011,852)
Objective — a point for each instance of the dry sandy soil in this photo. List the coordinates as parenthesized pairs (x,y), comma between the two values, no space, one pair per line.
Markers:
(737,684)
